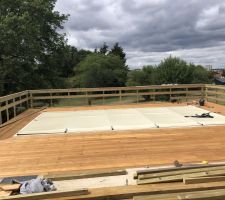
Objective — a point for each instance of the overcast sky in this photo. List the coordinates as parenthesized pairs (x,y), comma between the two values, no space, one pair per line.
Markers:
(150,30)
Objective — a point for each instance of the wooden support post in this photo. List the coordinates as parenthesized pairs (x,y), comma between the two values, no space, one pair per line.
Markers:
(120,92)
(154,96)
(21,104)
(170,94)
(137,96)
(186,94)
(7,111)
(103,97)
(27,102)
(216,95)
(31,101)
(206,93)
(0,117)
(51,99)
(14,109)
(202,92)
(86,96)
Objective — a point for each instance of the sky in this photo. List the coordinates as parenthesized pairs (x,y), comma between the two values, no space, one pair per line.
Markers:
(149,30)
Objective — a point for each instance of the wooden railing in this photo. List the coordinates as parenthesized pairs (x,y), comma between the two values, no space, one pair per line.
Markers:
(13,104)
(215,93)
(27,99)
(153,91)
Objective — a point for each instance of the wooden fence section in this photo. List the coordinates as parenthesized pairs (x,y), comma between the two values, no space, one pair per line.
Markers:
(12,105)
(215,93)
(169,92)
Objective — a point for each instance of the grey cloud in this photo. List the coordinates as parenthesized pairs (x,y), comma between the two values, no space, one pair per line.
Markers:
(154,28)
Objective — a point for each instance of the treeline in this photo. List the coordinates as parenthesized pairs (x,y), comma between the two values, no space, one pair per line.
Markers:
(34,54)
(171,70)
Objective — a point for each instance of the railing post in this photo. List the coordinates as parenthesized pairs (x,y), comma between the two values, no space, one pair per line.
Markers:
(7,111)
(137,96)
(186,94)
(103,97)
(170,94)
(0,117)
(206,93)
(216,95)
(27,102)
(153,95)
(31,100)
(14,109)
(86,95)
(120,96)
(51,99)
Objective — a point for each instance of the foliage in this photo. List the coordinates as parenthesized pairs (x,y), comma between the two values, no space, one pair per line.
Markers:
(104,49)
(200,74)
(34,54)
(28,39)
(145,76)
(99,70)
(117,50)
(171,70)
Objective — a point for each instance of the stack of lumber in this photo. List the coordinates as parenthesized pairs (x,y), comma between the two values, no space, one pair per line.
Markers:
(191,174)
(198,174)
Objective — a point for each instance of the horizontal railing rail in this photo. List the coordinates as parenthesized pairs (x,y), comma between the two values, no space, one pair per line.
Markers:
(11,105)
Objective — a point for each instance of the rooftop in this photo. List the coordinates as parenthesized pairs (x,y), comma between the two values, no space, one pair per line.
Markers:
(97,151)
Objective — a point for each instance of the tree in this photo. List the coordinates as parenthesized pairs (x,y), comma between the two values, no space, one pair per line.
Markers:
(98,70)
(173,70)
(200,74)
(144,76)
(104,49)
(28,38)
(118,51)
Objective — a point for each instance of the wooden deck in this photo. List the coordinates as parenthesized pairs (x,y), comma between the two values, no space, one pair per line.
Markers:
(84,152)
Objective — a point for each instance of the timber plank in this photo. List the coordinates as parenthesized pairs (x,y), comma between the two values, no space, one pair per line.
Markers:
(203,179)
(180,177)
(44,195)
(181,171)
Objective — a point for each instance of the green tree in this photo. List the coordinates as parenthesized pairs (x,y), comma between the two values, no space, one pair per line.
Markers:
(104,49)
(99,70)
(173,70)
(200,74)
(144,76)
(28,38)
(118,51)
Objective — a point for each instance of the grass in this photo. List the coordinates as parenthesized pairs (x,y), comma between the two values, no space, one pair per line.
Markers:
(95,101)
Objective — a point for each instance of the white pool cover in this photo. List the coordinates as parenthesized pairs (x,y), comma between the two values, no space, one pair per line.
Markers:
(119,119)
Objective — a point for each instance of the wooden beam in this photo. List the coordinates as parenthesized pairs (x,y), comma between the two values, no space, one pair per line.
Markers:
(197,195)
(180,177)
(47,195)
(203,179)
(181,171)
(168,169)
(70,176)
